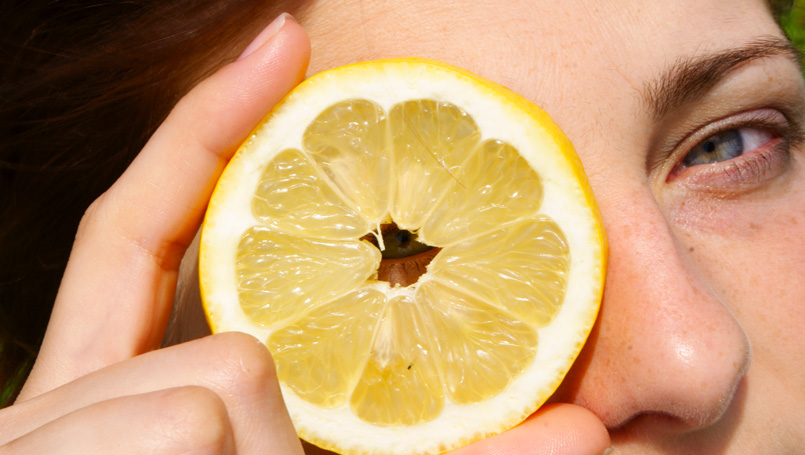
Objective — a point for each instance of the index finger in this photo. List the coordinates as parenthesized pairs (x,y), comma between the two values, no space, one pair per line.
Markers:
(117,291)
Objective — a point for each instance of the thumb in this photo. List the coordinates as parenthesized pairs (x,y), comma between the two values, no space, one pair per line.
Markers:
(555,429)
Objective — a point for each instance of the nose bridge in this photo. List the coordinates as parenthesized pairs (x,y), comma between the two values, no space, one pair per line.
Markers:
(664,344)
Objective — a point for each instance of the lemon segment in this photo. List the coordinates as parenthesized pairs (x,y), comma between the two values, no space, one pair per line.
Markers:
(279,274)
(294,198)
(325,349)
(481,348)
(521,268)
(401,372)
(430,141)
(468,349)
(495,185)
(348,142)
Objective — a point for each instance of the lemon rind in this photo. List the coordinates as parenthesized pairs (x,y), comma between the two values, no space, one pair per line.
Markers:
(539,141)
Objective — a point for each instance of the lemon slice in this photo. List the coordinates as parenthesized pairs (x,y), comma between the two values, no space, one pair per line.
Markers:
(418,248)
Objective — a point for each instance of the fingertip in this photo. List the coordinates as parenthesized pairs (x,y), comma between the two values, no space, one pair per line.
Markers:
(578,430)
(283,43)
(267,33)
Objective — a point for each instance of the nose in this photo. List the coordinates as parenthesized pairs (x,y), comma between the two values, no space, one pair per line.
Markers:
(665,345)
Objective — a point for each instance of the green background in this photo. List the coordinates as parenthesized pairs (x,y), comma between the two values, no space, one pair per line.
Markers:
(794,24)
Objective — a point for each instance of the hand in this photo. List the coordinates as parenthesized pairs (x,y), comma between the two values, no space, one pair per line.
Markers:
(100,385)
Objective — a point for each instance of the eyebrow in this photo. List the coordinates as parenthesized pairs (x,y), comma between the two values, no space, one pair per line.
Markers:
(691,77)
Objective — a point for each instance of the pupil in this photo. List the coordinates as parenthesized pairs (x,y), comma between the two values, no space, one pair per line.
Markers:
(403,238)
(709,146)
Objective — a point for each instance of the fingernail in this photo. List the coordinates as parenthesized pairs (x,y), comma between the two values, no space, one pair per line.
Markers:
(608,451)
(272,29)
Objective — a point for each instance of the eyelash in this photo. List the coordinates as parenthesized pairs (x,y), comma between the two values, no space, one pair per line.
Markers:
(751,167)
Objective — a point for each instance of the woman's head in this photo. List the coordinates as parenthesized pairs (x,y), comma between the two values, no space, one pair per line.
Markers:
(694,349)
(688,118)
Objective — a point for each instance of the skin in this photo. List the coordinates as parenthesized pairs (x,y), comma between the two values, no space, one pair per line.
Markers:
(696,347)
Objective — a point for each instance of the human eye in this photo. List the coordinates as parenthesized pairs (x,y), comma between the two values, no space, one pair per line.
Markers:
(727,144)
(737,152)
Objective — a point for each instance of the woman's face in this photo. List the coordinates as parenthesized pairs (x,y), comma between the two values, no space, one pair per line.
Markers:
(687,115)
(699,344)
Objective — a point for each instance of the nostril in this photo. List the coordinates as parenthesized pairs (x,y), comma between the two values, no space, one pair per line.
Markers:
(670,431)
(645,419)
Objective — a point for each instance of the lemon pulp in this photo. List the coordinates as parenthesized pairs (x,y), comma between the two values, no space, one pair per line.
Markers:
(463,331)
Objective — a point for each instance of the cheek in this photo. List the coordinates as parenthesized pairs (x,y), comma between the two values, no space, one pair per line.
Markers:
(753,257)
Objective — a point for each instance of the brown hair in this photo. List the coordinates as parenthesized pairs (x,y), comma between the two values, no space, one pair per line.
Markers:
(83,85)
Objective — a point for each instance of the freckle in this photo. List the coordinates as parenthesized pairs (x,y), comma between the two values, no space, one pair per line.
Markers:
(754,226)
(629,347)
(690,249)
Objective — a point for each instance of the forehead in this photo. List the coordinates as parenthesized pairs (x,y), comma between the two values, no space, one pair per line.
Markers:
(572,57)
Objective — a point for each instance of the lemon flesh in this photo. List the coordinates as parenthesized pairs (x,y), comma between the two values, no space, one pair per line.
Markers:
(472,346)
